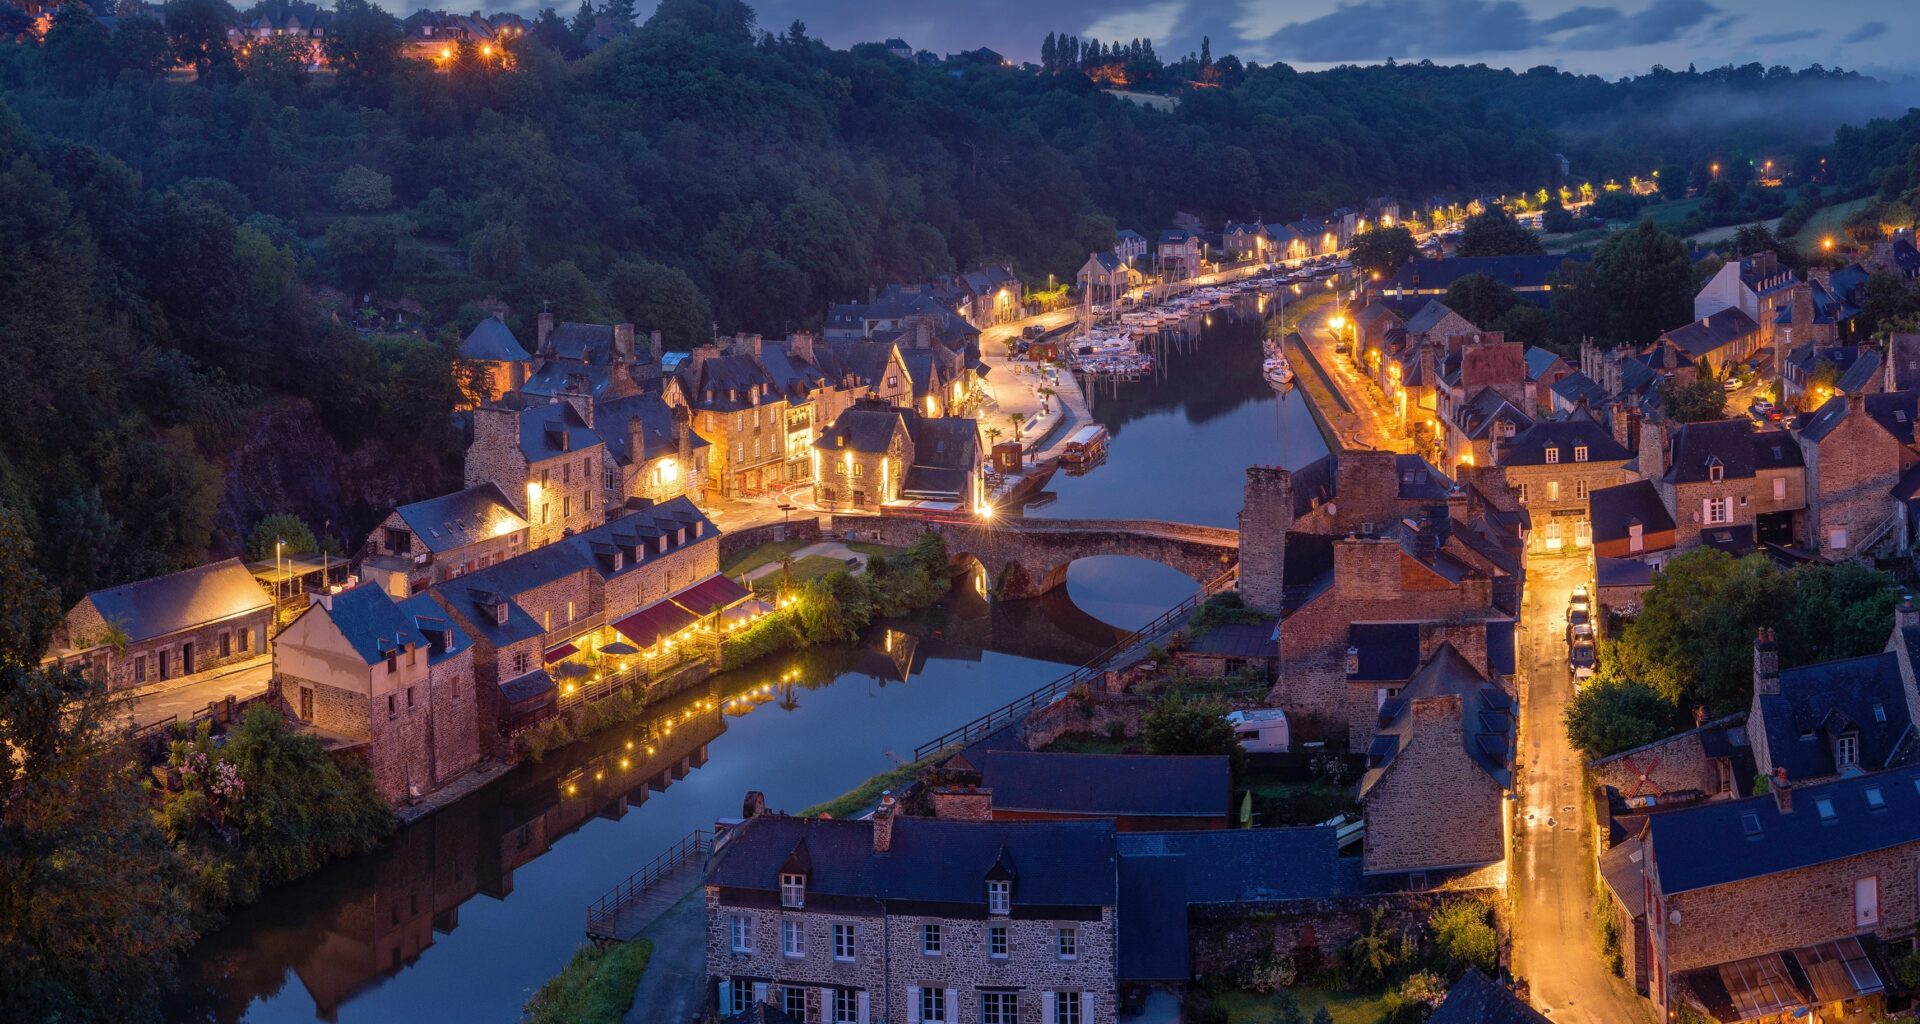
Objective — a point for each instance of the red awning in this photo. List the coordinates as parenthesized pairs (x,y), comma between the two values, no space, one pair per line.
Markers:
(701,598)
(655,622)
(562,651)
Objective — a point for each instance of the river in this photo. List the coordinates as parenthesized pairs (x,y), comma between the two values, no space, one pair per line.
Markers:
(468,911)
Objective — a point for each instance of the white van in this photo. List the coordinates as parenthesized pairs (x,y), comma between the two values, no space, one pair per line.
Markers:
(1262,731)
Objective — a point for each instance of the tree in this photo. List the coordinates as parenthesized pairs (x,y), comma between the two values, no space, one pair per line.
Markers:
(1464,938)
(361,189)
(1608,716)
(1890,304)
(362,249)
(1481,299)
(93,904)
(1694,401)
(662,298)
(1178,726)
(1838,611)
(281,533)
(1648,280)
(198,29)
(1693,639)
(1383,251)
(363,47)
(1494,232)
(1673,182)
(29,607)
(497,252)
(76,48)
(1720,197)
(277,64)
(1371,955)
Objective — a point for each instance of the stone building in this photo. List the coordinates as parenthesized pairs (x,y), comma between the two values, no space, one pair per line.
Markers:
(898,918)
(492,363)
(1552,467)
(652,451)
(571,357)
(548,461)
(1105,277)
(1754,909)
(359,667)
(876,453)
(1721,475)
(1247,241)
(1718,340)
(432,541)
(1445,741)
(154,630)
(1176,255)
(1757,286)
(738,406)
(1853,461)
(1835,718)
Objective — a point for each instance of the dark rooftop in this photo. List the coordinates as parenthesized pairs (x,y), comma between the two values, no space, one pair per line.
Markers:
(1817,704)
(1478,999)
(166,604)
(456,520)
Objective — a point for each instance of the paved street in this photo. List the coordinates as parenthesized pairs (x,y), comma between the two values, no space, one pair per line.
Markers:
(190,696)
(1556,939)
(1372,423)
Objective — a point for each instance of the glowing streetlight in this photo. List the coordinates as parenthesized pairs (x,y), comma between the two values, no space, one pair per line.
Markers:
(1827,243)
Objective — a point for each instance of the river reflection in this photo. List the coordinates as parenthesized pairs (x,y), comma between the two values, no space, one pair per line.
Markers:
(467,911)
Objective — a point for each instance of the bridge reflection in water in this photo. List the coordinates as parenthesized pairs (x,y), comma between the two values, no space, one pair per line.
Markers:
(353,934)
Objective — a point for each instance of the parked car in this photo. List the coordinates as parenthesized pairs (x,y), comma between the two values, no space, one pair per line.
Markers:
(1579,625)
(1580,662)
(1580,599)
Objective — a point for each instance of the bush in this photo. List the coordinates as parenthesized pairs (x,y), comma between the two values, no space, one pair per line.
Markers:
(770,635)
(1464,938)
(1177,726)
(1907,970)
(1219,610)
(595,988)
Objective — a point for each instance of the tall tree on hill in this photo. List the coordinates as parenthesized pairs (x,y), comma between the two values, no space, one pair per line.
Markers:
(1494,232)
(198,29)
(1383,251)
(1648,278)
(1049,54)
(1481,299)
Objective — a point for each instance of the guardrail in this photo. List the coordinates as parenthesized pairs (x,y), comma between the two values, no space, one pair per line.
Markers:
(603,914)
(1133,643)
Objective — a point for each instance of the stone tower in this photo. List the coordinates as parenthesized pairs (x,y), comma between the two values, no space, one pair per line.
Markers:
(1265,518)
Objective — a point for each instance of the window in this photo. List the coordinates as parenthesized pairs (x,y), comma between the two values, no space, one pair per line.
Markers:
(546,512)
(1580,490)
(570,611)
(566,505)
(1553,456)
(409,698)
(586,501)
(246,639)
(392,711)
(160,659)
(608,481)
(793,939)
(739,997)
(1836,539)
(566,473)
(1716,510)
(999,1008)
(1866,902)
(793,999)
(997,941)
(999,896)
(1876,800)
(1846,752)
(930,939)
(1067,942)
(226,644)
(139,668)
(933,1006)
(793,890)
(843,942)
(846,1006)
(1553,490)
(1779,488)
(520,663)
(1522,488)
(1579,453)
(393,662)
(1716,472)
(1066,1008)
(1636,537)
(737,934)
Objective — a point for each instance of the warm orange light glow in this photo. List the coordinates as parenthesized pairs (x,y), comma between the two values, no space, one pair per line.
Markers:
(486,49)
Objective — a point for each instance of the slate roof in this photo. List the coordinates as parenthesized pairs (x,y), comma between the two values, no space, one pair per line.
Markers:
(1708,335)
(1152,926)
(1251,865)
(1478,415)
(1697,445)
(1615,508)
(453,521)
(528,687)
(155,607)
(593,549)
(1313,484)
(1487,717)
(1418,480)
(1540,360)
(1478,999)
(1237,640)
(1817,703)
(1054,863)
(1725,841)
(1389,651)
(1622,572)
(1429,317)
(493,341)
(1576,386)
(867,427)
(612,418)
(726,383)
(1109,261)
(429,617)
(584,343)
(372,624)
(1117,785)
(1895,411)
(542,426)
(1530,446)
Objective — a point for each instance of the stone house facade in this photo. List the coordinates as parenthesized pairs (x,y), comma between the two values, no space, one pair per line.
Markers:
(170,626)
(397,676)
(1722,475)
(432,541)
(1852,464)
(1552,467)
(901,919)
(546,459)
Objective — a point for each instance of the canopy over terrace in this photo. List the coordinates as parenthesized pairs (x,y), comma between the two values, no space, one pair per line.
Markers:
(657,627)
(1776,985)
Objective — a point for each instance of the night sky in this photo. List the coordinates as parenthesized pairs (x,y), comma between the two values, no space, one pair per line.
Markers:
(1875,36)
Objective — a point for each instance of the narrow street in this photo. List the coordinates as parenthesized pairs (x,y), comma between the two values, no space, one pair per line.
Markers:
(1556,938)
(1372,421)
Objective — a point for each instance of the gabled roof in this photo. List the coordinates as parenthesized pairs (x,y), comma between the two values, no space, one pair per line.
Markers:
(1576,387)
(1531,446)
(1388,651)
(543,426)
(1698,445)
(1775,449)
(1818,703)
(429,618)
(493,341)
(155,607)
(1616,508)
(640,536)
(1478,999)
(1476,416)
(1429,317)
(583,343)
(1249,865)
(1726,841)
(867,427)
(456,520)
(613,419)
(1117,785)
(1895,411)
(1487,717)
(1416,479)
(1708,335)
(1541,360)
(373,625)
(728,383)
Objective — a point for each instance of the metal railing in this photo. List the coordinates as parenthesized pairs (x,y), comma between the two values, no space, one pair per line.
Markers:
(603,914)
(1133,643)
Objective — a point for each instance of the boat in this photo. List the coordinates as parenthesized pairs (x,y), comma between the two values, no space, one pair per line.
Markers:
(1278,372)
(1085,445)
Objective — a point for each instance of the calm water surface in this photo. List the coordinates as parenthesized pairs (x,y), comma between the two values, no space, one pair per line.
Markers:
(468,911)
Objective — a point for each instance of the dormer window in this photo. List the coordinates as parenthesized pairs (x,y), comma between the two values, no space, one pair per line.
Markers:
(1716,472)
(1580,453)
(1553,455)
(999,896)
(1846,751)
(793,890)
(500,614)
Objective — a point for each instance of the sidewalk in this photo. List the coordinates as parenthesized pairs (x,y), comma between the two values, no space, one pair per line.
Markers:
(1373,421)
(189,695)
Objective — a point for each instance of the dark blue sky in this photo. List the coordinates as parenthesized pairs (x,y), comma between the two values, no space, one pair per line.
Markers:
(1594,36)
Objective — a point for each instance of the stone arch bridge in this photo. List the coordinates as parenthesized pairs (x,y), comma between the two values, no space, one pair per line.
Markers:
(1028,557)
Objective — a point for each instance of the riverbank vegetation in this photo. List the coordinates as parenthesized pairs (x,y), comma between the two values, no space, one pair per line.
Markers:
(596,986)
(867,794)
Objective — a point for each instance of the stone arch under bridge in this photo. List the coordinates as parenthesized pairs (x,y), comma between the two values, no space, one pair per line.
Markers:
(1028,557)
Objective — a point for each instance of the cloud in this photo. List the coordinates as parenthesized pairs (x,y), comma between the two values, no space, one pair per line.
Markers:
(1777,38)
(1154,21)
(1721,25)
(1865,32)
(1374,29)
(1659,22)
(1579,17)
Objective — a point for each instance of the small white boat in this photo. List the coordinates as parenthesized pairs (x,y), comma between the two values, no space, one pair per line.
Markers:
(1278,372)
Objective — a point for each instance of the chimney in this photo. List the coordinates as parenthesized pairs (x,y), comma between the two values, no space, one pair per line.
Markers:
(800,343)
(1766,664)
(636,442)
(623,343)
(546,328)
(1653,450)
(702,353)
(683,439)
(653,346)
(1782,791)
(579,394)
(747,343)
(883,822)
(1824,275)
(1802,313)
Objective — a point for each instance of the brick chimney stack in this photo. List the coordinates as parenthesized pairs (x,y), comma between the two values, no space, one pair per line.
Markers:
(546,328)
(623,343)
(883,822)
(683,439)
(654,347)
(800,343)
(1782,791)
(1766,664)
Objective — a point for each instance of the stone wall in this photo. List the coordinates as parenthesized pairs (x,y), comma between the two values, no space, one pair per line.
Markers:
(571,495)
(1265,517)
(805,528)
(495,456)
(122,670)
(1433,770)
(1674,765)
(1223,937)
(335,710)
(1850,475)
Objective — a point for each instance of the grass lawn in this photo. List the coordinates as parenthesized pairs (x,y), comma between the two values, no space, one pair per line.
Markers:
(1669,215)
(1093,743)
(1569,241)
(1345,1007)
(595,988)
(867,794)
(755,557)
(1727,231)
(803,570)
(1828,220)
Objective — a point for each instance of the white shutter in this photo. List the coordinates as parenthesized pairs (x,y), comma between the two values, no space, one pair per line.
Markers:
(864,1007)
(826,1006)
(1049,1008)
(953,1006)
(726,998)
(759,991)
(1086,1008)
(913,1004)
(1705,517)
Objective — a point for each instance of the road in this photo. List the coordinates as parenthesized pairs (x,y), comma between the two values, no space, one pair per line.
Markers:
(1556,939)
(192,695)
(1373,423)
